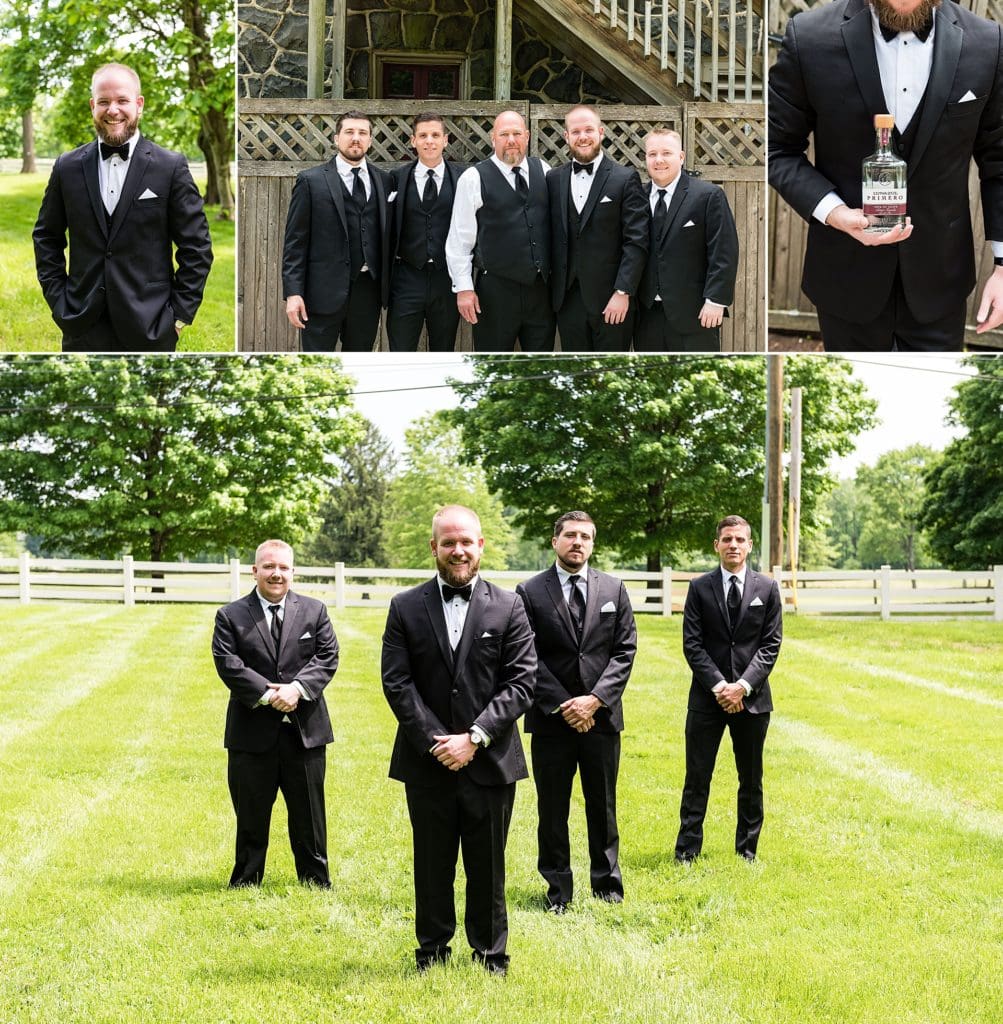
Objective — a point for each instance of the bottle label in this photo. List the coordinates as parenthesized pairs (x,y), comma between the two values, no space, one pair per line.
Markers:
(884,202)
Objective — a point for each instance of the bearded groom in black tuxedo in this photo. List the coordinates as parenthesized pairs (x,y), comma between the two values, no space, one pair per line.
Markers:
(276,652)
(732,629)
(938,69)
(122,203)
(458,672)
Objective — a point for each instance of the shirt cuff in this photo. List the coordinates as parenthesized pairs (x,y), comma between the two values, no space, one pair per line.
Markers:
(267,697)
(482,738)
(745,686)
(997,249)
(716,305)
(299,686)
(826,205)
(463,284)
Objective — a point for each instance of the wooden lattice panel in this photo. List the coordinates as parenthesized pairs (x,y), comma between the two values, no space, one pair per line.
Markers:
(725,135)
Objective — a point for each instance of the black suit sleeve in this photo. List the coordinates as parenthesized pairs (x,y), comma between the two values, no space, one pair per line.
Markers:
(320,669)
(610,685)
(722,250)
(189,232)
(988,152)
(765,656)
(634,213)
(549,693)
(245,683)
(49,238)
(296,246)
(419,723)
(705,671)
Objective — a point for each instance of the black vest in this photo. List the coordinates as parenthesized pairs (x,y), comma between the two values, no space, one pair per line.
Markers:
(423,235)
(650,284)
(902,142)
(513,236)
(363,232)
(574,244)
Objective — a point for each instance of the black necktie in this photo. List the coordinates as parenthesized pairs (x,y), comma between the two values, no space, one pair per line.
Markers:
(921,33)
(448,592)
(276,624)
(107,152)
(358,189)
(520,183)
(576,167)
(577,604)
(431,193)
(734,601)
(661,215)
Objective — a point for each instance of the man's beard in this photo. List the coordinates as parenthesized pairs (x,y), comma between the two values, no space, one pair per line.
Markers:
(116,134)
(458,575)
(587,158)
(900,22)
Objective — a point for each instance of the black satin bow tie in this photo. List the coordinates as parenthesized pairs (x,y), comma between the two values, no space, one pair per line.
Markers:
(107,152)
(448,593)
(921,33)
(576,167)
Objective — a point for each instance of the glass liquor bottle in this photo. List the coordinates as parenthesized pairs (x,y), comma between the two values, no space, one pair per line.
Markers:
(884,178)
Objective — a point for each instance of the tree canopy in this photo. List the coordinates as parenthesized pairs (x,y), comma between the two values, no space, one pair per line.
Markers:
(657,449)
(164,456)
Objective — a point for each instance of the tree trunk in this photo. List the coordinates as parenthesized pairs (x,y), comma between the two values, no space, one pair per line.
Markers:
(28,165)
(654,565)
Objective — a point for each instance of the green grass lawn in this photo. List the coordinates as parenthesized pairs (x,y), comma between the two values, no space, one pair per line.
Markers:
(876,898)
(25,321)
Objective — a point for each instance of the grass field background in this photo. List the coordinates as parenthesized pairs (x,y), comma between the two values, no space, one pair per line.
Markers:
(25,320)
(876,897)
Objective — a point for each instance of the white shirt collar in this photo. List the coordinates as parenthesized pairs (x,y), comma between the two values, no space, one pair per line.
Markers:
(443,583)
(563,575)
(506,169)
(266,604)
(595,162)
(421,171)
(726,575)
(345,168)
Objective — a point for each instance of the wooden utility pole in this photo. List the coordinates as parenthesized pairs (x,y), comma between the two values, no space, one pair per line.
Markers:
(773,529)
(794,490)
(503,50)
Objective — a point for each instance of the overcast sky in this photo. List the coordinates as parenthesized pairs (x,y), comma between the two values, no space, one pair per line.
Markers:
(912,392)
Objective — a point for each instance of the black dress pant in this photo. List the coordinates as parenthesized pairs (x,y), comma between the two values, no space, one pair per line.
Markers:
(255,779)
(511,311)
(556,758)
(101,337)
(582,331)
(654,333)
(894,329)
(421,297)
(356,323)
(460,816)
(704,730)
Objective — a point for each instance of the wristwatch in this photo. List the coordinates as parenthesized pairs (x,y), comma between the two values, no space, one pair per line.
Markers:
(476,738)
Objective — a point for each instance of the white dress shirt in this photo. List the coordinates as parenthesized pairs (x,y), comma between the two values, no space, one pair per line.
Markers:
(565,577)
(455,611)
(462,235)
(111,175)
(269,694)
(345,173)
(581,183)
(726,575)
(421,176)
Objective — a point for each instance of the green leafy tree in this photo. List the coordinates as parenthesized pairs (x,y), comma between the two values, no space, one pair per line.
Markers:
(435,475)
(351,529)
(847,509)
(164,457)
(963,513)
(656,449)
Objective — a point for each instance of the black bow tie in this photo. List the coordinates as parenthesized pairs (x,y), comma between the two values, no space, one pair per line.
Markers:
(921,33)
(576,167)
(107,152)
(448,593)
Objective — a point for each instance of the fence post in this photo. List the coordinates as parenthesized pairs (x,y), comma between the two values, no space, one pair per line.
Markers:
(339,585)
(234,579)
(666,591)
(24,578)
(128,582)
(886,592)
(998,593)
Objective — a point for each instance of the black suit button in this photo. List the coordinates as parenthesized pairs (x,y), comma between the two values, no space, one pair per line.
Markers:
(455,692)
(108,254)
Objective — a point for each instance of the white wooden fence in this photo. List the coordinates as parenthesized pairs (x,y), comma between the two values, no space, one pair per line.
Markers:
(884,592)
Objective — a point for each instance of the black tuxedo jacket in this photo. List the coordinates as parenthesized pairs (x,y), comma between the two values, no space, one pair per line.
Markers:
(246,661)
(826,84)
(315,255)
(400,182)
(126,268)
(715,653)
(697,254)
(613,239)
(599,665)
(487,681)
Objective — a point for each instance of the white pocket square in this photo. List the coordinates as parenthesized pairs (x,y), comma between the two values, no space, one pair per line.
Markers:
(391,197)
(486,633)
(306,635)
(689,224)
(605,199)
(968,97)
(755,602)
(608,607)
(149,195)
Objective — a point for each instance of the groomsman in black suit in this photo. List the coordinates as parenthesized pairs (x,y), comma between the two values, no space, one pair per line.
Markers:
(689,281)
(335,258)
(599,233)
(276,651)
(498,247)
(732,629)
(422,200)
(122,203)
(936,67)
(585,646)
(458,672)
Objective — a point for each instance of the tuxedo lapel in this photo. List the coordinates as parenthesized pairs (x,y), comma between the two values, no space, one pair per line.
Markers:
(479,600)
(334,186)
(258,618)
(432,597)
(89,158)
(290,623)
(748,593)
(139,164)
(678,198)
(601,176)
(564,196)
(381,196)
(556,594)
(717,589)
(858,38)
(947,38)
(591,603)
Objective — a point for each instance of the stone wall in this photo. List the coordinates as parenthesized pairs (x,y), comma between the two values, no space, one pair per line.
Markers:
(272,44)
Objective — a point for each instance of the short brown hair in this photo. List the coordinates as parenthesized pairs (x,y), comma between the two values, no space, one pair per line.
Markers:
(352,115)
(733,521)
(577,517)
(428,115)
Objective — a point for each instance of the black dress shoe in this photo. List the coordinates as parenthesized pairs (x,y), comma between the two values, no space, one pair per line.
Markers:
(609,897)
(747,855)
(495,963)
(685,858)
(426,958)
(558,908)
